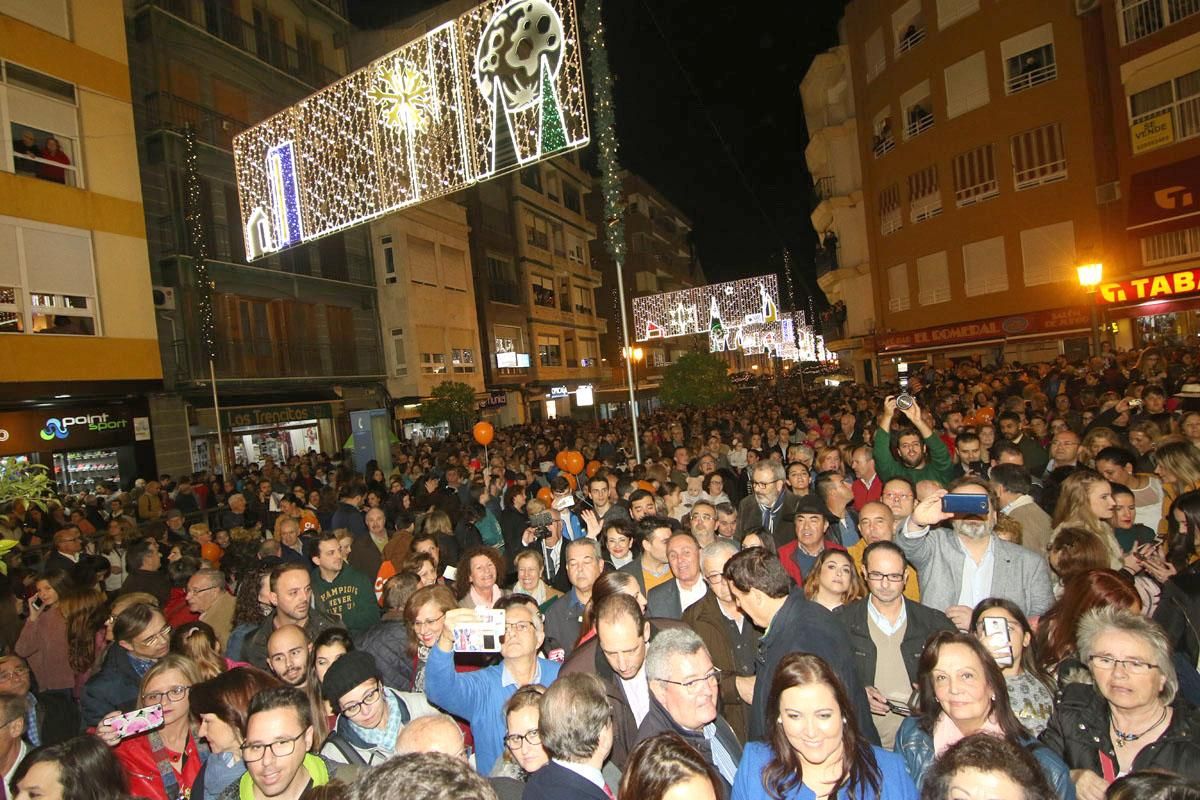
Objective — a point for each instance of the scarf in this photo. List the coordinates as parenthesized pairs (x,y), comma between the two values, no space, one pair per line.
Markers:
(946,733)
(318,774)
(384,737)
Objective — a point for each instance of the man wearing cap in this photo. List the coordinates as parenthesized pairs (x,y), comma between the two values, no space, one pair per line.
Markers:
(812,524)
(370,715)
(176,531)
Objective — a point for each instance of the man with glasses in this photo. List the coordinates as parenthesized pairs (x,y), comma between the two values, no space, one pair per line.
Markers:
(276,742)
(877,523)
(684,690)
(672,598)
(768,506)
(12,725)
(702,522)
(887,632)
(731,639)
(50,718)
(68,544)
(371,716)
(207,596)
(479,697)
(900,495)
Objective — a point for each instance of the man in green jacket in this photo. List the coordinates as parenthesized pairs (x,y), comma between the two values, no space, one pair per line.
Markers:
(340,590)
(919,455)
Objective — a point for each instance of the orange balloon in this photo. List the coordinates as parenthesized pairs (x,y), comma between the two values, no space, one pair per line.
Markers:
(592,468)
(647,485)
(560,460)
(545,495)
(985,415)
(484,433)
(574,484)
(574,462)
(211,552)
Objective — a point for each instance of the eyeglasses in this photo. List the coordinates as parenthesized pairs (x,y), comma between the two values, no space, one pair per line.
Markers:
(531,737)
(13,674)
(764,484)
(706,517)
(521,627)
(1130,665)
(428,623)
(715,577)
(174,694)
(191,592)
(368,699)
(894,577)
(161,636)
(693,686)
(279,749)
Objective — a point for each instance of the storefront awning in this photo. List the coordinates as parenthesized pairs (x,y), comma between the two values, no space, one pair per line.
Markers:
(1165,199)
(1052,322)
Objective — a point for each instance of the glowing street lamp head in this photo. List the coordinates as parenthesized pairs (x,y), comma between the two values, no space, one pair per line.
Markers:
(1090,275)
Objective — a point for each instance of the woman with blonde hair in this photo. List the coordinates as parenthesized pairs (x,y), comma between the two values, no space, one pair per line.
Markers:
(1096,440)
(834,580)
(1178,466)
(1085,501)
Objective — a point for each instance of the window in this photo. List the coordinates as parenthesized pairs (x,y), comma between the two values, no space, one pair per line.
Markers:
(433,363)
(1178,98)
(890,220)
(1048,253)
(537,232)
(876,55)
(908,26)
(564,295)
(884,140)
(43,126)
(1029,59)
(463,360)
(574,248)
(399,358)
(933,279)
(588,353)
(898,298)
(531,177)
(966,85)
(1038,157)
(1140,18)
(454,268)
(49,15)
(984,267)
(918,110)
(389,260)
(502,281)
(572,199)
(646,282)
(951,11)
(549,351)
(543,290)
(47,281)
(508,342)
(583,300)
(1163,248)
(924,194)
(422,260)
(975,176)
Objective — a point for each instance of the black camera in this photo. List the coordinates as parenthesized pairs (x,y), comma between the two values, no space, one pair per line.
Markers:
(541,533)
(541,523)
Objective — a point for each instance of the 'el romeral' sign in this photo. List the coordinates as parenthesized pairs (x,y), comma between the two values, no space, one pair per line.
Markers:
(498,88)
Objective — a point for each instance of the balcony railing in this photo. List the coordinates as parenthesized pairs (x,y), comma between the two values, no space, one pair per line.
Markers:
(543,297)
(918,123)
(970,195)
(883,145)
(890,222)
(1030,78)
(1185,118)
(1140,18)
(227,26)
(911,38)
(926,207)
(167,111)
(825,188)
(504,292)
(266,359)
(336,6)
(1030,177)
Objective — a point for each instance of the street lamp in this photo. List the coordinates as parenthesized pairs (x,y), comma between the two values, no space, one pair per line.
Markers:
(1090,276)
(633,355)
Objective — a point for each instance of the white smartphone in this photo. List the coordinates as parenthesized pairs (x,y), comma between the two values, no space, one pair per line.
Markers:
(995,631)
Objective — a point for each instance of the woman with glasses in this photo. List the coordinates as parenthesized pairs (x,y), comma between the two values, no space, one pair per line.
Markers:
(141,637)
(523,751)
(44,642)
(163,762)
(814,749)
(962,692)
(425,613)
(220,705)
(1030,689)
(1129,719)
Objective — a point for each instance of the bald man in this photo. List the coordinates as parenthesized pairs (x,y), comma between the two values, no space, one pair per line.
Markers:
(877,523)
(437,733)
(288,651)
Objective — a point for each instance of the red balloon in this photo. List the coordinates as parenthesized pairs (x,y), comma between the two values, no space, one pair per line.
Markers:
(574,462)
(545,495)
(484,433)
(592,468)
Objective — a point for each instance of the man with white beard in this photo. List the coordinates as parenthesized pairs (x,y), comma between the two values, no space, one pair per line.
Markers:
(966,563)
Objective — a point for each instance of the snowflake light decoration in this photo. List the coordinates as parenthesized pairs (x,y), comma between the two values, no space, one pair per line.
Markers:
(404,97)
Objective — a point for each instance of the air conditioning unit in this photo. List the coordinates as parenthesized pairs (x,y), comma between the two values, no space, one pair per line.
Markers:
(1085,6)
(1108,193)
(164,298)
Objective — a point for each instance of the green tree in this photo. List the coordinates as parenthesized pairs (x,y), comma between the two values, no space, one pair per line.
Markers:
(28,482)
(453,402)
(696,379)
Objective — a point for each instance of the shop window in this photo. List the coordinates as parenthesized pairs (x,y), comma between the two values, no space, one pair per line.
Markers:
(433,363)
(422,259)
(1048,254)
(1038,157)
(462,360)
(966,85)
(389,260)
(1163,248)
(898,297)
(43,131)
(984,267)
(399,357)
(1029,59)
(890,219)
(543,290)
(933,279)
(47,281)
(975,176)
(549,351)
(924,194)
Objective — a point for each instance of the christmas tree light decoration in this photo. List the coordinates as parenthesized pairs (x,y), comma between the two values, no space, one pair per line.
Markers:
(750,301)
(495,89)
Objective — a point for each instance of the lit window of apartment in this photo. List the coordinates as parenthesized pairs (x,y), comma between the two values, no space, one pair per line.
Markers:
(422,261)
(1163,248)
(42,139)
(589,350)
(1175,103)
(876,55)
(1038,157)
(1138,19)
(1048,253)
(890,217)
(549,351)
(985,270)
(433,363)
(967,85)
(462,360)
(908,26)
(951,11)
(47,281)
(884,140)
(898,297)
(543,290)
(917,108)
(399,357)
(975,176)
(924,194)
(1029,59)
(933,279)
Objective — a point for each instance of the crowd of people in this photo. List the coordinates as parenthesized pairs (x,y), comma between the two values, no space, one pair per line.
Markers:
(982,585)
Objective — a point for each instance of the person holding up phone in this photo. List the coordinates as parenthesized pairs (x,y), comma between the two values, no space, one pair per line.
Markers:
(44,641)
(1007,634)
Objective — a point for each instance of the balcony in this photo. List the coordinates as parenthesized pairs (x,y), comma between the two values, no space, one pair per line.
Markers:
(1140,18)
(543,297)
(1029,77)
(913,36)
(920,119)
(167,111)
(826,260)
(504,292)
(224,24)
(1185,119)
(890,222)
(266,359)
(884,144)
(336,6)
(924,208)
(825,188)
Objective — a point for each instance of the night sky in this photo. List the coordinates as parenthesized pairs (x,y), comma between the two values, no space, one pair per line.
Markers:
(739,64)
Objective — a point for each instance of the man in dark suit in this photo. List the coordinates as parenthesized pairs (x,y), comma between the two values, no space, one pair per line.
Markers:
(769,505)
(577,729)
(68,542)
(553,551)
(672,598)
